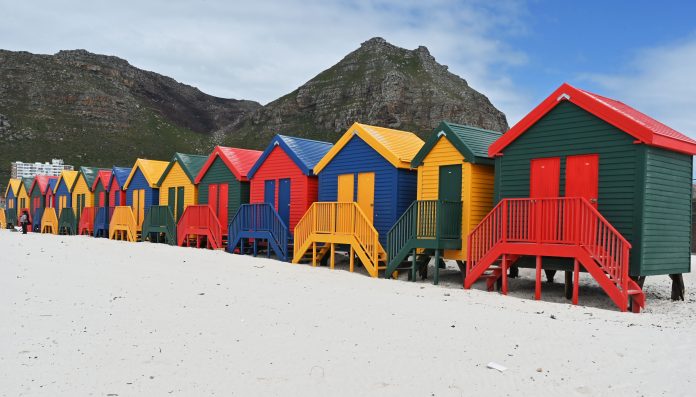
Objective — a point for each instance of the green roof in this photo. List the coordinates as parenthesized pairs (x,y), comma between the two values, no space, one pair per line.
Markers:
(27,182)
(90,174)
(471,142)
(190,163)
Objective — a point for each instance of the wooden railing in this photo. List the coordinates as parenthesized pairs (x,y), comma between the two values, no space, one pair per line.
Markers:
(159,219)
(199,220)
(67,222)
(569,221)
(345,219)
(49,221)
(3,219)
(123,222)
(86,223)
(36,219)
(259,217)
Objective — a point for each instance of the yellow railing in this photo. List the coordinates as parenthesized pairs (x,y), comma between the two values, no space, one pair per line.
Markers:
(339,219)
(3,220)
(123,225)
(49,221)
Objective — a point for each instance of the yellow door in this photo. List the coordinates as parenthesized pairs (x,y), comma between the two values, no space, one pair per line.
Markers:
(62,203)
(139,205)
(366,193)
(345,188)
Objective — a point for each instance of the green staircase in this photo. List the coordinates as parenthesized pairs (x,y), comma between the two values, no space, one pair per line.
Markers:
(426,226)
(159,225)
(67,222)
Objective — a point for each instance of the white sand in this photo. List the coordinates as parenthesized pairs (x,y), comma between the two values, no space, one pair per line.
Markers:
(82,316)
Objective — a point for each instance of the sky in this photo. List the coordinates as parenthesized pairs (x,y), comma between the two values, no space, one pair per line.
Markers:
(515,52)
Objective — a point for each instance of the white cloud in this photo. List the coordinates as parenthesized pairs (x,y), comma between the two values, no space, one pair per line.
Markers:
(264,49)
(659,82)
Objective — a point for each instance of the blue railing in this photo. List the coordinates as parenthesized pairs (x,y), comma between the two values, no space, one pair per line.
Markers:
(101,222)
(259,221)
(36,219)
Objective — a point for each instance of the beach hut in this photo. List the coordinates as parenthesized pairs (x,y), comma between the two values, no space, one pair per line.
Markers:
(142,193)
(586,182)
(365,184)
(38,191)
(67,222)
(11,202)
(455,192)
(222,187)
(282,187)
(177,191)
(83,199)
(100,191)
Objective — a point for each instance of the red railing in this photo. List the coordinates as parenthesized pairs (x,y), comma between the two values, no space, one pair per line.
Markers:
(565,221)
(199,220)
(86,223)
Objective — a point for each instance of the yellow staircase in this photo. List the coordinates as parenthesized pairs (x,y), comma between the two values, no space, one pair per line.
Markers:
(49,221)
(326,224)
(123,225)
(3,221)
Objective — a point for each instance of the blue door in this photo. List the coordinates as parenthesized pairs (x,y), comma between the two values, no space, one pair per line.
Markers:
(284,200)
(269,192)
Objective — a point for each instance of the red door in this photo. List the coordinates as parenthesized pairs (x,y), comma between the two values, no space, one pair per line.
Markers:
(582,177)
(213,199)
(544,182)
(101,199)
(222,204)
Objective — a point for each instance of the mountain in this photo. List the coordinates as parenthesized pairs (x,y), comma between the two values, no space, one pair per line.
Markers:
(99,110)
(378,83)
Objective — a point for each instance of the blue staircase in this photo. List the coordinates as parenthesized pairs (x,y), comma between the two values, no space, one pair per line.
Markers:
(259,222)
(101,222)
(36,219)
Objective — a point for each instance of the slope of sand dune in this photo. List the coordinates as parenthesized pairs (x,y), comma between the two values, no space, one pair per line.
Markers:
(82,316)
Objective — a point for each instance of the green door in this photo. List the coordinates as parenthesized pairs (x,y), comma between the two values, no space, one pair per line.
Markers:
(450,184)
(179,202)
(171,200)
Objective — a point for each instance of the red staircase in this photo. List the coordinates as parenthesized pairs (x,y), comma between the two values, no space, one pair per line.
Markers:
(556,227)
(86,223)
(199,226)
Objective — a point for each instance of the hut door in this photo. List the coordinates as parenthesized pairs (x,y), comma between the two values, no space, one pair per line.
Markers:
(544,183)
(582,177)
(284,200)
(171,201)
(101,199)
(179,203)
(346,192)
(450,183)
(366,193)
(139,205)
(223,204)
(269,192)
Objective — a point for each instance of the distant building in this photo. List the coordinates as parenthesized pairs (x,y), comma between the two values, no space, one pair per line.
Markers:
(29,170)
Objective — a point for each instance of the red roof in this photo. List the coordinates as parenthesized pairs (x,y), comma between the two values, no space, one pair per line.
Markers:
(42,180)
(642,127)
(239,161)
(103,176)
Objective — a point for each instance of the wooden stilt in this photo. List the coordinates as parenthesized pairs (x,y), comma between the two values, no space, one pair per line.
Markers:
(677,286)
(576,281)
(549,275)
(241,246)
(436,278)
(414,266)
(568,284)
(504,275)
(352,259)
(333,256)
(314,254)
(537,286)
(268,248)
(256,247)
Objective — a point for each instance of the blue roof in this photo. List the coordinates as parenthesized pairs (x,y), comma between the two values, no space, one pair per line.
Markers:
(121,174)
(52,183)
(306,153)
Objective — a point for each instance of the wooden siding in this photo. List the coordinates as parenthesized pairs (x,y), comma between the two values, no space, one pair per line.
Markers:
(138,182)
(63,191)
(36,192)
(238,192)
(666,222)
(278,165)
(114,189)
(82,188)
(569,130)
(477,187)
(97,190)
(175,178)
(356,157)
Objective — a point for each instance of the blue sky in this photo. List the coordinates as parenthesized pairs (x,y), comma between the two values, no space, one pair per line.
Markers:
(515,52)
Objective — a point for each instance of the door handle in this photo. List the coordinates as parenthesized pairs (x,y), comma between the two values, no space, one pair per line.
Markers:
(593,200)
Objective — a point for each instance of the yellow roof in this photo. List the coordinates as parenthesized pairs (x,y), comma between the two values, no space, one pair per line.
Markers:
(69,177)
(396,146)
(13,184)
(151,169)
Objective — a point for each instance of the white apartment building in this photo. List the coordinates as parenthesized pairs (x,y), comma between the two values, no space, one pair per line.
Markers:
(28,170)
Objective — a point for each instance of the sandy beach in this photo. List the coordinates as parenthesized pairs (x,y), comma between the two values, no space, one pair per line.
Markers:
(94,317)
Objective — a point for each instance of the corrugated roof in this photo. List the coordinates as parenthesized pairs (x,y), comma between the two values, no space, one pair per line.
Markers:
(396,146)
(42,181)
(471,142)
(121,175)
(239,161)
(90,174)
(27,182)
(629,120)
(13,184)
(52,183)
(152,171)
(190,163)
(306,153)
(68,177)
(103,175)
